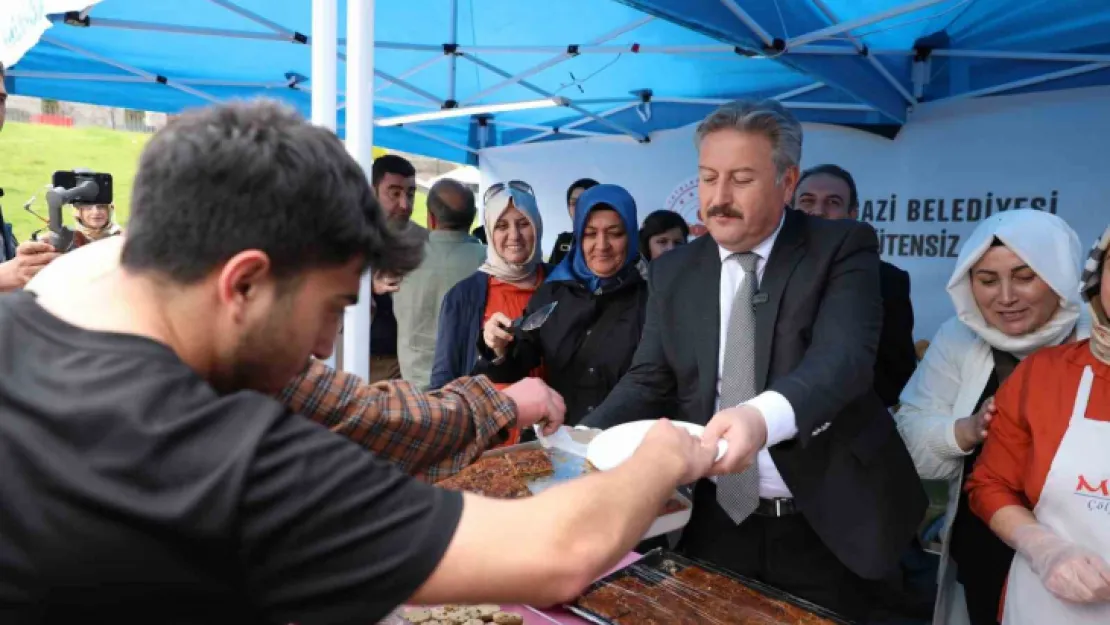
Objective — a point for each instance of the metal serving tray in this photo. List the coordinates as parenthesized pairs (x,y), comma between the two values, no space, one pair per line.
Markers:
(569,466)
(659,564)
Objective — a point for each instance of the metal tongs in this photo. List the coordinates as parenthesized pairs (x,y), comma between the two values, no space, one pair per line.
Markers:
(536,319)
(528,324)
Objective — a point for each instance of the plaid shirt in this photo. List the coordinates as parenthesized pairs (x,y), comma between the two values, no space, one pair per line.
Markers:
(429,435)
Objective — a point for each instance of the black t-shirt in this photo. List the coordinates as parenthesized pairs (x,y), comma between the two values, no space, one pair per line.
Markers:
(131,492)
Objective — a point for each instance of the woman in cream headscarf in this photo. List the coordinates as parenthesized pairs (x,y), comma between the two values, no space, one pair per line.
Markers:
(503,284)
(94,221)
(1016,290)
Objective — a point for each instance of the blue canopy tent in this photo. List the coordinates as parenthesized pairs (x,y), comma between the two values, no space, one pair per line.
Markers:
(893,54)
(485,73)
(594,66)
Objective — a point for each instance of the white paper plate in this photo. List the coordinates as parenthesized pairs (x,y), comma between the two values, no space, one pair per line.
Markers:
(617,444)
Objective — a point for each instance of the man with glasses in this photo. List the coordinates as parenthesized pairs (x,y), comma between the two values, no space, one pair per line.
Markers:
(566,239)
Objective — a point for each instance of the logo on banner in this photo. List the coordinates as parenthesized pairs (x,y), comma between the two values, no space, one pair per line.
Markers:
(684,201)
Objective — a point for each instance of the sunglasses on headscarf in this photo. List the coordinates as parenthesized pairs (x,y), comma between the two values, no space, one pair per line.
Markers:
(498,187)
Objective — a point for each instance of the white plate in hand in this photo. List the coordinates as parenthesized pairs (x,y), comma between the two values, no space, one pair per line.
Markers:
(617,444)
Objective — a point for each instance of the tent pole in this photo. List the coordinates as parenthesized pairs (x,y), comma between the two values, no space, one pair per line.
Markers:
(824,106)
(325,33)
(121,78)
(828,106)
(410,71)
(182,29)
(1027,82)
(428,135)
(581,122)
(454,38)
(398,101)
(1062,57)
(285,35)
(570,103)
(847,27)
(879,67)
(743,16)
(172,84)
(252,16)
(559,131)
(920,72)
(799,91)
(512,79)
(360,143)
(397,81)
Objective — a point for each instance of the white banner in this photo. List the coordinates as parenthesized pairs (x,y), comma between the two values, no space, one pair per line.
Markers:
(22,22)
(924,192)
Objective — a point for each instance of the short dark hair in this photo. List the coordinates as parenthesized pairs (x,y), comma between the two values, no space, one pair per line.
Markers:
(390,164)
(835,171)
(451,217)
(659,222)
(3,72)
(581,183)
(254,175)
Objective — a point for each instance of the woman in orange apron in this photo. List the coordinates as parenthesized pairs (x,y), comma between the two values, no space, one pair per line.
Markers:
(1043,480)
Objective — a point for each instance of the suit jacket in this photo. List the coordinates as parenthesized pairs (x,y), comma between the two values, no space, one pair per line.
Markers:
(897,357)
(817,335)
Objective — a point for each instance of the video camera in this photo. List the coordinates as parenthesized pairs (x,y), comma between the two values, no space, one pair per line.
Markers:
(69,187)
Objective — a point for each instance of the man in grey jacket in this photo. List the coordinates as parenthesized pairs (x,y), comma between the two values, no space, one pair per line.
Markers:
(450,255)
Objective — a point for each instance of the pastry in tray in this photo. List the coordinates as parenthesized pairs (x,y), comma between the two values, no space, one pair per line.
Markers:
(490,477)
(503,476)
(531,463)
(460,615)
(689,595)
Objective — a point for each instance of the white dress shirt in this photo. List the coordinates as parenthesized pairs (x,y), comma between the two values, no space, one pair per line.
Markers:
(776,410)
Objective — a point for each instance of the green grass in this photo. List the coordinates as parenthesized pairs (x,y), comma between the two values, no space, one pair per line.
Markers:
(30,154)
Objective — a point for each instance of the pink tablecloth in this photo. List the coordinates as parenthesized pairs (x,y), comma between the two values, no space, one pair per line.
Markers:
(559,616)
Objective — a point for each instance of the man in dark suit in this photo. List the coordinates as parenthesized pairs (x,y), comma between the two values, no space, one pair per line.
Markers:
(766,331)
(829,191)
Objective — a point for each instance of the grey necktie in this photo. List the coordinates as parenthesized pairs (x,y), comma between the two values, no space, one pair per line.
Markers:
(738,494)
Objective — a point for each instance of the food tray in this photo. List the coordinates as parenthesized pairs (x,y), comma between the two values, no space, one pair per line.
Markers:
(569,466)
(658,565)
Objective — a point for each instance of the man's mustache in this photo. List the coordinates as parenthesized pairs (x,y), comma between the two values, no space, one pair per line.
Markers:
(722,211)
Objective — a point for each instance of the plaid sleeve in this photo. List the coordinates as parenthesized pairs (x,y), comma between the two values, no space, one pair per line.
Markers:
(429,435)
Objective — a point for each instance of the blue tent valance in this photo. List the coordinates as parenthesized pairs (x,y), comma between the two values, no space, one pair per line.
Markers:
(604,68)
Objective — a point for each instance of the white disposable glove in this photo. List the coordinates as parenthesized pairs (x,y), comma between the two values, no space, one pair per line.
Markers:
(1067,570)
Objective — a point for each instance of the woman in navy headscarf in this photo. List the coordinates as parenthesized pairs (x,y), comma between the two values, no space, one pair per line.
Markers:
(587,343)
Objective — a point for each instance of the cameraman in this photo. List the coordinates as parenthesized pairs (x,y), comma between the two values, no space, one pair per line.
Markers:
(18,263)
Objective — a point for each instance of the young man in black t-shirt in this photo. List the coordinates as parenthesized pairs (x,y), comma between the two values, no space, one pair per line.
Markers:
(146,477)
(566,239)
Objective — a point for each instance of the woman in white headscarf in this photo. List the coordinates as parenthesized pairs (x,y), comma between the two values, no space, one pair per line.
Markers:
(1016,290)
(503,284)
